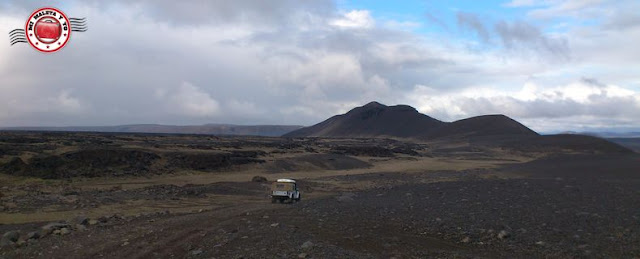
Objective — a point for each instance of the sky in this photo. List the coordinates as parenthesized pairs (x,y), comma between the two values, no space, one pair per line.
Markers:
(554,65)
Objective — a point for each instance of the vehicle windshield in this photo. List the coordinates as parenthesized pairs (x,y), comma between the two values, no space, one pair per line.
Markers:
(283,186)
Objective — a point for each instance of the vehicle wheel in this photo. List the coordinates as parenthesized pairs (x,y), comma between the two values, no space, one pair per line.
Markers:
(281,200)
(273,200)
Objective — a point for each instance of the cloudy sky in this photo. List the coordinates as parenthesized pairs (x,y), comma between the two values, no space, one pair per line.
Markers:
(554,65)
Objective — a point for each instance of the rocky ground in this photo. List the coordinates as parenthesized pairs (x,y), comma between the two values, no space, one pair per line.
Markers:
(357,203)
(557,218)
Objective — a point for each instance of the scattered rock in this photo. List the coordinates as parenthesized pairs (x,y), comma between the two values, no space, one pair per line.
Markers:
(33,235)
(197,252)
(10,205)
(52,227)
(345,197)
(307,245)
(80,220)
(503,234)
(13,236)
(9,238)
(259,179)
(81,227)
(21,243)
(466,240)
(93,222)
(275,225)
(64,231)
(302,255)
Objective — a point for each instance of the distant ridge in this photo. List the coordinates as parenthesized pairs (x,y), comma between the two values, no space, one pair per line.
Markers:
(403,121)
(606,134)
(208,129)
(482,126)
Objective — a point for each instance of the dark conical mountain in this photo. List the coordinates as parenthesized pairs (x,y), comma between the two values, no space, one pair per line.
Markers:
(402,121)
(372,120)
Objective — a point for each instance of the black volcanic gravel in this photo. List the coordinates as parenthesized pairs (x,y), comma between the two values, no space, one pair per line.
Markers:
(541,217)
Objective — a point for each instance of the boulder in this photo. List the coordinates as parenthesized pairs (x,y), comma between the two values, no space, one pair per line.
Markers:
(33,235)
(51,227)
(21,243)
(64,231)
(79,220)
(80,227)
(9,238)
(307,245)
(345,197)
(503,234)
(259,179)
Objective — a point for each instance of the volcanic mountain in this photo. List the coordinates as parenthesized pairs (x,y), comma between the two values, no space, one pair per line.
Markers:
(372,120)
(403,121)
(481,126)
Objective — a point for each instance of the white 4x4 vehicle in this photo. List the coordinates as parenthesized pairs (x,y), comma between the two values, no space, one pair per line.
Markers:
(285,190)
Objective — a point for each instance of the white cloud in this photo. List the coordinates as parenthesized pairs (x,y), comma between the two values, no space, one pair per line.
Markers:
(402,25)
(581,100)
(560,8)
(521,3)
(66,102)
(245,108)
(190,100)
(300,62)
(355,19)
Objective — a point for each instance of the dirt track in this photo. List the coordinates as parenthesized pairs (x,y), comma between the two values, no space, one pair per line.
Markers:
(550,217)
